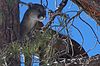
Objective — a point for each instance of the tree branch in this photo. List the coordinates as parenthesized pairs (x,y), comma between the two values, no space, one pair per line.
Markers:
(56,13)
(91,7)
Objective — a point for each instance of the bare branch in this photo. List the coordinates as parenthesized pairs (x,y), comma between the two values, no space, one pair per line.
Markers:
(61,5)
(78,13)
(46,3)
(80,34)
(91,7)
(23,3)
(41,2)
(91,29)
(51,20)
(56,13)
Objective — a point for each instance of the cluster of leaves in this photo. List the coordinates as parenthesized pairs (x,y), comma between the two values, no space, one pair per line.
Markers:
(38,46)
(10,53)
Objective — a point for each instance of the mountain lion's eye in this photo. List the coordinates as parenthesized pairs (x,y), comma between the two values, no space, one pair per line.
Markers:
(41,17)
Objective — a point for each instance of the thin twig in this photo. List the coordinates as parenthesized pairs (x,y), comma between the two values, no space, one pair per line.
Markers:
(78,13)
(55,3)
(72,48)
(51,20)
(92,48)
(23,3)
(57,12)
(71,11)
(91,29)
(61,5)
(80,34)
(46,3)
(41,2)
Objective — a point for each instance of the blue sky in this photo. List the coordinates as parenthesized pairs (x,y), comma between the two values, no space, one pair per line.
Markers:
(89,38)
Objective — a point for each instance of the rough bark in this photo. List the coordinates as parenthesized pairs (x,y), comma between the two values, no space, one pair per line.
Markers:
(9,28)
(9,21)
(91,7)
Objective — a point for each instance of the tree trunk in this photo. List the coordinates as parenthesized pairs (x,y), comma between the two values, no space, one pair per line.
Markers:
(9,27)
(91,7)
(9,21)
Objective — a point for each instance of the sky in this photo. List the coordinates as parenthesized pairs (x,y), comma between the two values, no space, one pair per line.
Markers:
(89,37)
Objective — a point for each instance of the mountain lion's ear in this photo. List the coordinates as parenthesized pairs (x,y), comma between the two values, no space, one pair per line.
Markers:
(38,7)
(30,5)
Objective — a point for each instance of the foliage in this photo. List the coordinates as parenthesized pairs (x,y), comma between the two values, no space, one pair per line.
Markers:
(38,46)
(40,43)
